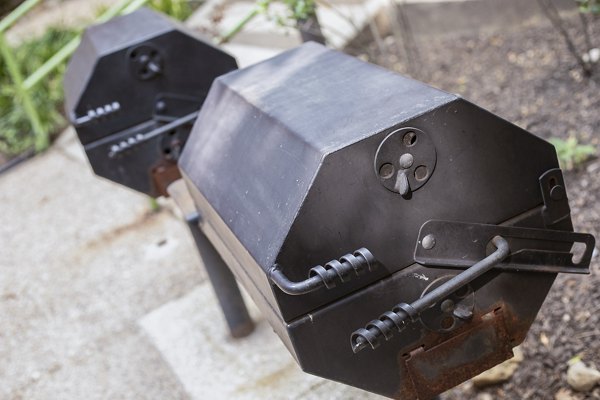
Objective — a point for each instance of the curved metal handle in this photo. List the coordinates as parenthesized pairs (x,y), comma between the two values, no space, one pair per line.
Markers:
(403,313)
(360,262)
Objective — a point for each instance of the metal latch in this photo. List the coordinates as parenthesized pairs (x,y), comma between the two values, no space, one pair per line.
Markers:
(461,244)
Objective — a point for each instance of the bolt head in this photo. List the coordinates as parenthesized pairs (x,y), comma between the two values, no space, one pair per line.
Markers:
(447,306)
(406,160)
(428,242)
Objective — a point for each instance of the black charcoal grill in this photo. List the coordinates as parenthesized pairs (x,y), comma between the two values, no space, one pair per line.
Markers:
(398,238)
(133,89)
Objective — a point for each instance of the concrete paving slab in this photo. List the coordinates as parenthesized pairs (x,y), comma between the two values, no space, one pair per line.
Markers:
(50,13)
(191,335)
(247,55)
(68,144)
(81,260)
(340,20)
(120,365)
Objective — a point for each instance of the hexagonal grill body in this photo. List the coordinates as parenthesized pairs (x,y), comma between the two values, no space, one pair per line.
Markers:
(315,156)
(132,91)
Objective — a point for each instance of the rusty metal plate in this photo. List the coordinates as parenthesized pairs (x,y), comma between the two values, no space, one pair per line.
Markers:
(459,358)
(163,175)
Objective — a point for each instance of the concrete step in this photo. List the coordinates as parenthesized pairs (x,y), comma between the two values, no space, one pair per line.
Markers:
(190,334)
(340,22)
(249,54)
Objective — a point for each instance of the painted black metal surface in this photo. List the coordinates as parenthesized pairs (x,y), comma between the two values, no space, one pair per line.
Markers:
(291,175)
(320,154)
(132,91)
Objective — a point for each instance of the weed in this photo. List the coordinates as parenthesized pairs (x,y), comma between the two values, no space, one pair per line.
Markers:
(178,9)
(589,6)
(570,153)
(15,131)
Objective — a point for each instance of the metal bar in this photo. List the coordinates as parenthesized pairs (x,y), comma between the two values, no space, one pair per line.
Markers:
(295,288)
(310,29)
(119,148)
(41,136)
(135,4)
(465,277)
(240,25)
(223,282)
(58,58)
(404,313)
(17,14)
(114,10)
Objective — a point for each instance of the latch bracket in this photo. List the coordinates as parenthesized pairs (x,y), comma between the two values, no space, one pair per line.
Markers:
(462,244)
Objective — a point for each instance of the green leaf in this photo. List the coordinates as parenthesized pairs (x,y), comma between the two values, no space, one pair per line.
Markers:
(570,153)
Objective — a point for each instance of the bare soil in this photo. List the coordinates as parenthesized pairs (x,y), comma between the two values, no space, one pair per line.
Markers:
(527,76)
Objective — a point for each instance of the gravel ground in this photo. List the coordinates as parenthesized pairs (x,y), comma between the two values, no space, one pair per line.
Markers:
(527,76)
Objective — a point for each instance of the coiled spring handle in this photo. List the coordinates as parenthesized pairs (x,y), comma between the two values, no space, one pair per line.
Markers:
(361,261)
(403,313)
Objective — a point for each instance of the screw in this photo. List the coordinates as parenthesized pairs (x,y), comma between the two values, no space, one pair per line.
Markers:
(447,306)
(406,160)
(161,106)
(428,242)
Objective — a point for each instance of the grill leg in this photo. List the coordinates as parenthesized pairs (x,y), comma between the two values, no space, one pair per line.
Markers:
(223,283)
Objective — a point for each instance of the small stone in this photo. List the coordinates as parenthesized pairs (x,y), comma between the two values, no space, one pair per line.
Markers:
(485,396)
(564,394)
(593,167)
(518,355)
(581,377)
(501,372)
(592,56)
(544,339)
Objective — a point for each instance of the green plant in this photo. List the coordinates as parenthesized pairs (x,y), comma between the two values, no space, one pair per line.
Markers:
(178,9)
(15,128)
(15,131)
(570,153)
(154,205)
(589,6)
(297,12)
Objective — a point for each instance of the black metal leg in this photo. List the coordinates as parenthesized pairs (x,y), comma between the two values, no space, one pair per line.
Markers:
(223,283)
